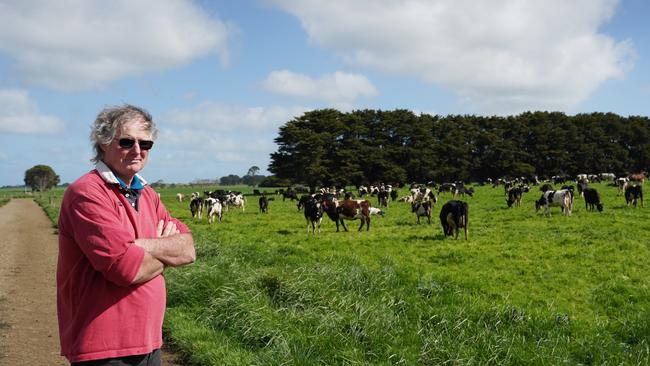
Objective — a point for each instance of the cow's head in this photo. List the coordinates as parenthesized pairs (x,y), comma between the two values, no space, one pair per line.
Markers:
(599,206)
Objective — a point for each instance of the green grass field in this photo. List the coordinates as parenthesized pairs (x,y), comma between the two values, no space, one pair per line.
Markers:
(523,290)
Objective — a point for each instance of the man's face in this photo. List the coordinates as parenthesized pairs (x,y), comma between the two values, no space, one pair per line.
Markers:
(126,162)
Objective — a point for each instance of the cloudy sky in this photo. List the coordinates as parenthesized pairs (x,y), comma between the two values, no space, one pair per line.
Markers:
(221,76)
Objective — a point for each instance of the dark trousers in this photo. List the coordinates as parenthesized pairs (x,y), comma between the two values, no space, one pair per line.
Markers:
(150,359)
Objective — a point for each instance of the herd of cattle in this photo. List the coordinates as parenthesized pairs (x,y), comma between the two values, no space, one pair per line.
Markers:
(340,205)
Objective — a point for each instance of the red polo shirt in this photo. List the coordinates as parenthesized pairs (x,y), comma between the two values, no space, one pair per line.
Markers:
(101,314)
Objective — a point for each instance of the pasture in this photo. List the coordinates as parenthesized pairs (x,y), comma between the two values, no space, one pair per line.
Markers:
(524,289)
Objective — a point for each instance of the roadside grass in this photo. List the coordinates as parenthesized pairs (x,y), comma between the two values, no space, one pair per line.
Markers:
(523,290)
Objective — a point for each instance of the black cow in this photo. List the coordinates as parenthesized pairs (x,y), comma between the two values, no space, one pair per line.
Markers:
(453,216)
(592,199)
(633,194)
(393,194)
(290,194)
(313,214)
(264,204)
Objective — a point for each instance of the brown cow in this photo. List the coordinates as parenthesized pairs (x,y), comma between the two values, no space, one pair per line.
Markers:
(640,177)
(348,210)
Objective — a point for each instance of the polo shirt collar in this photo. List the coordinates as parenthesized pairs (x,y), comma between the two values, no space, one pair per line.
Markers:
(109,177)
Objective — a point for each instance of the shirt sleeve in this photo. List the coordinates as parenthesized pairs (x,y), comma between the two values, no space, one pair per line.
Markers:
(104,237)
(164,215)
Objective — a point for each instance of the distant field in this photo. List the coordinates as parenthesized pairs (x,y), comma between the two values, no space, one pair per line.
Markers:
(525,289)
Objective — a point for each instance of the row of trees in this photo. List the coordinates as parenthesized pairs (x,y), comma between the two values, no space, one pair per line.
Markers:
(329,147)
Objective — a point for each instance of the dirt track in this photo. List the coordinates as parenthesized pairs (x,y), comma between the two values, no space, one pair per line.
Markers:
(28,324)
(28,256)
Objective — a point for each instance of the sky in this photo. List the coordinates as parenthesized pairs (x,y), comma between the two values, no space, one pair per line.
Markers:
(221,77)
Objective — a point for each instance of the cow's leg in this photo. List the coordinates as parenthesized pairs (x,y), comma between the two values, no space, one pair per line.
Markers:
(368,224)
(343,223)
(361,226)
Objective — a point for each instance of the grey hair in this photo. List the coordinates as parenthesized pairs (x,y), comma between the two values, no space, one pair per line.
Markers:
(110,119)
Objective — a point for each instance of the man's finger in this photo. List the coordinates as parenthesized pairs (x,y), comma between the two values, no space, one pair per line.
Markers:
(159,229)
(170,228)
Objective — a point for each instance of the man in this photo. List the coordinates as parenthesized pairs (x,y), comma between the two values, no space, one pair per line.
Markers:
(115,239)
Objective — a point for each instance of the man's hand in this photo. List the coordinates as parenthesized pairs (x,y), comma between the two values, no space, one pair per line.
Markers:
(164,230)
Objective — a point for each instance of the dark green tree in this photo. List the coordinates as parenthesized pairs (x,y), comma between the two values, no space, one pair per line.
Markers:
(41,178)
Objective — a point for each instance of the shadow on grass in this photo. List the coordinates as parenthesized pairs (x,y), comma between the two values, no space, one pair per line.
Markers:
(435,237)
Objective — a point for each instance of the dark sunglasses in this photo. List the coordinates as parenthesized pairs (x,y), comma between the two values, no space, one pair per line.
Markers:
(127,143)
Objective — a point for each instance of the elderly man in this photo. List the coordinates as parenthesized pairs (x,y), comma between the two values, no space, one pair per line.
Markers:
(115,240)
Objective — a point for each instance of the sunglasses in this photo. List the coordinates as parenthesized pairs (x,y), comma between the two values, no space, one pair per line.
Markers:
(127,143)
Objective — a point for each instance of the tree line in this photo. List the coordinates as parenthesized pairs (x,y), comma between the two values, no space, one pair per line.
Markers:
(327,147)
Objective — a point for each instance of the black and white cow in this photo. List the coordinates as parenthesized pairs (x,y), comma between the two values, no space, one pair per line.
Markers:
(633,194)
(196,206)
(621,184)
(514,197)
(453,216)
(313,214)
(214,209)
(382,198)
(592,199)
(561,198)
(422,209)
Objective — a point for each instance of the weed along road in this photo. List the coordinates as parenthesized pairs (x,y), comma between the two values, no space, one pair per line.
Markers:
(28,324)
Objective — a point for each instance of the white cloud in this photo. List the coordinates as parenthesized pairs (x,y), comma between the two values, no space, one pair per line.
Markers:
(499,56)
(221,118)
(85,44)
(334,88)
(212,132)
(19,114)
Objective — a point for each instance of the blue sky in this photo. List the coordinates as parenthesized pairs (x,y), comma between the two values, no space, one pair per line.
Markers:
(220,77)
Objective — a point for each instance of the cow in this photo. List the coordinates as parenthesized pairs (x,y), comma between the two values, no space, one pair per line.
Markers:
(235,200)
(393,195)
(264,204)
(290,194)
(179,197)
(453,216)
(422,209)
(639,177)
(546,187)
(446,187)
(607,176)
(213,209)
(382,198)
(621,184)
(354,209)
(313,214)
(514,197)
(462,191)
(562,198)
(582,185)
(196,207)
(633,194)
(592,199)
(374,211)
